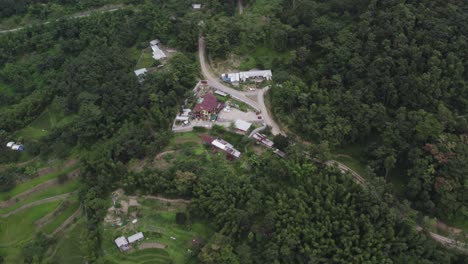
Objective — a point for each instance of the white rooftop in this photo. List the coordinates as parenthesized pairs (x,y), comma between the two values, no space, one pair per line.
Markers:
(121,241)
(242,125)
(135,237)
(141,71)
(221,93)
(243,76)
(227,147)
(196,6)
(154,42)
(158,53)
(10,144)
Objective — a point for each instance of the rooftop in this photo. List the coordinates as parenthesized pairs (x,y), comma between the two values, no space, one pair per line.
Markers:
(135,237)
(208,103)
(242,125)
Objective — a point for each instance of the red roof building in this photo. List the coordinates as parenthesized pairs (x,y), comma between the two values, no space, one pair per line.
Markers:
(207,105)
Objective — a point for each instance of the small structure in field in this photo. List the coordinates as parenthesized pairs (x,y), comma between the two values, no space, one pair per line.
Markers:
(263,139)
(140,74)
(242,126)
(122,244)
(15,146)
(279,153)
(155,42)
(226,147)
(136,237)
(207,107)
(158,54)
(222,145)
(196,6)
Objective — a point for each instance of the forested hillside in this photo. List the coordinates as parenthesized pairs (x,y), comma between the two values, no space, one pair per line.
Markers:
(390,76)
(387,75)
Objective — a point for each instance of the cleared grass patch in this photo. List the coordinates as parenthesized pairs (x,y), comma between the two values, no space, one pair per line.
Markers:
(34,182)
(146,60)
(19,228)
(49,192)
(69,249)
(61,217)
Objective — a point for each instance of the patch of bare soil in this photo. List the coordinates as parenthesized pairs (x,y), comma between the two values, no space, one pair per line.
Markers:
(445,227)
(151,245)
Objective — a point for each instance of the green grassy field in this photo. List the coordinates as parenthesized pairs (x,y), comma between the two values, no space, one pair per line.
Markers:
(145,60)
(49,192)
(69,249)
(261,57)
(17,229)
(157,222)
(32,183)
(61,217)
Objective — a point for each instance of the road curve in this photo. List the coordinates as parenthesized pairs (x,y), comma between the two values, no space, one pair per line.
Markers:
(215,83)
(238,95)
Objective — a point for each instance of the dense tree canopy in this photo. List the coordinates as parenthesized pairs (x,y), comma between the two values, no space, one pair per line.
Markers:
(389,75)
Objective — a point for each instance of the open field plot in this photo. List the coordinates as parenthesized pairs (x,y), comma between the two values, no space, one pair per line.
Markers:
(157,221)
(44,123)
(58,219)
(67,187)
(34,182)
(17,229)
(145,60)
(69,249)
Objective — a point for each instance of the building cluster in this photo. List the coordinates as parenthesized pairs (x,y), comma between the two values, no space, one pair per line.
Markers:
(15,146)
(222,145)
(158,54)
(125,244)
(244,76)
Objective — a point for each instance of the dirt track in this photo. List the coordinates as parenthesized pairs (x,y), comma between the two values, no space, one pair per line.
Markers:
(151,245)
(35,203)
(68,221)
(24,195)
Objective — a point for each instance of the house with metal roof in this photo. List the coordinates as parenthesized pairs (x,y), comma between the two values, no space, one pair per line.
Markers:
(158,54)
(226,147)
(263,139)
(242,125)
(136,237)
(122,243)
(245,75)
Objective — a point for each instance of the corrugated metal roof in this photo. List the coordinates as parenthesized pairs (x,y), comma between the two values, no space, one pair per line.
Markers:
(135,237)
